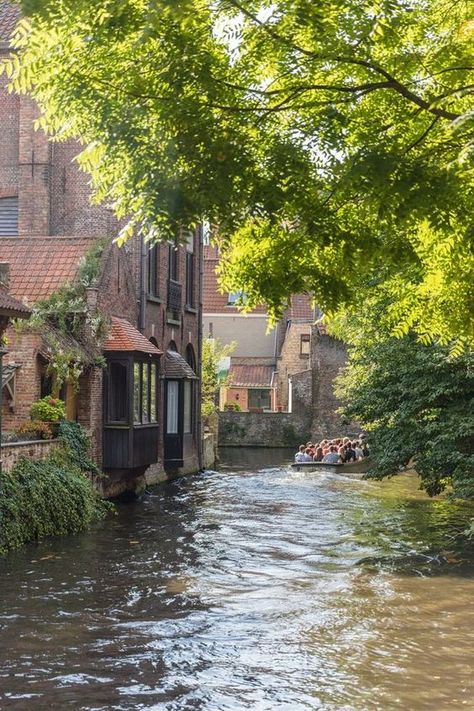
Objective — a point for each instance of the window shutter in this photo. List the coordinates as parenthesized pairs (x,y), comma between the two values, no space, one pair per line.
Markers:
(8,216)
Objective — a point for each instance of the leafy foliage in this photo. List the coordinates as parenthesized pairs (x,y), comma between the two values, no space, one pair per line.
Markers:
(331,142)
(417,403)
(213,352)
(45,498)
(77,444)
(48,409)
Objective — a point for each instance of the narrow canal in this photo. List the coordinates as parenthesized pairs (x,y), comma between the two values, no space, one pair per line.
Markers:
(251,588)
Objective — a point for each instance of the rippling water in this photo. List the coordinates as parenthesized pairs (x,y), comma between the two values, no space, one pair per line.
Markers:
(252,588)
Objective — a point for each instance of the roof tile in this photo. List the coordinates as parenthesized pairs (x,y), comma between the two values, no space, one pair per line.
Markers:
(40,265)
(125,337)
(255,376)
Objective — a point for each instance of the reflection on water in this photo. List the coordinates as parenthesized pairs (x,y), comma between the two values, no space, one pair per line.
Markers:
(251,588)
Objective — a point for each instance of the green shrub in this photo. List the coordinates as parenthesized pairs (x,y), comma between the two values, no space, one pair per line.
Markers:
(77,444)
(45,498)
(52,496)
(232,407)
(48,409)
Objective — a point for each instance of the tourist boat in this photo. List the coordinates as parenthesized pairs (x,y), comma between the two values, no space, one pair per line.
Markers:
(358,467)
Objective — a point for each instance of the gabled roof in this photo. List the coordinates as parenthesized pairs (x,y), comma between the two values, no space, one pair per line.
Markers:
(125,337)
(213,300)
(176,367)
(250,376)
(9,16)
(40,265)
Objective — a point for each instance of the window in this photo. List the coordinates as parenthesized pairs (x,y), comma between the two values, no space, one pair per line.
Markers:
(153,271)
(144,393)
(188,407)
(173,270)
(305,344)
(190,269)
(235,296)
(172,407)
(117,400)
(259,399)
(9,216)
(190,357)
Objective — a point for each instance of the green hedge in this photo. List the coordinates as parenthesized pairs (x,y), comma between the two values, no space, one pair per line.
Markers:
(47,497)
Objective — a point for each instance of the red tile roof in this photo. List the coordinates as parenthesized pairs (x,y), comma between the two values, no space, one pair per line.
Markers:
(213,300)
(301,307)
(9,16)
(125,337)
(40,265)
(250,376)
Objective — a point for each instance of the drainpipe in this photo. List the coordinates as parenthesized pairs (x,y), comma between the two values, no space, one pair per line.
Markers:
(290,395)
(199,358)
(142,303)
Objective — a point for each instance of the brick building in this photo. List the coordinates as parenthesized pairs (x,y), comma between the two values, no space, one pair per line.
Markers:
(143,409)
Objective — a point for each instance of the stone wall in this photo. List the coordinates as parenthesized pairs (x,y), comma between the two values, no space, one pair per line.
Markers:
(37,449)
(267,429)
(209,450)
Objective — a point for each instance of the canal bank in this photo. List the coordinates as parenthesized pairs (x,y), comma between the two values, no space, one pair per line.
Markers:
(252,587)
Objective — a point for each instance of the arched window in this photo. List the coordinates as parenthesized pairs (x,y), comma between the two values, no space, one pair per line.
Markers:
(190,357)
(172,346)
(154,341)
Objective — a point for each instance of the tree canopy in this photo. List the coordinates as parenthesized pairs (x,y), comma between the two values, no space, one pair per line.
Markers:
(331,142)
(415,400)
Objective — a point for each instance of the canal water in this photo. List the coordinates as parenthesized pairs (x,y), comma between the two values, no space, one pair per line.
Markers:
(254,587)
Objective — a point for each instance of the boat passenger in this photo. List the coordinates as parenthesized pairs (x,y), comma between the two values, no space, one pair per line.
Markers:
(300,454)
(358,451)
(365,450)
(318,455)
(350,453)
(332,457)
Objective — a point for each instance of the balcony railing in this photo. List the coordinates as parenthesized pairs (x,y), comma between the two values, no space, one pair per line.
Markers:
(174,296)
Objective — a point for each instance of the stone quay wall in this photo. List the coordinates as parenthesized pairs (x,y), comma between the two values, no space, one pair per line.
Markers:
(34,449)
(267,429)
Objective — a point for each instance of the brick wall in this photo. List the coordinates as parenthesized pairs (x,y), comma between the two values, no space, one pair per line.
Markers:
(9,134)
(23,350)
(11,453)
(71,210)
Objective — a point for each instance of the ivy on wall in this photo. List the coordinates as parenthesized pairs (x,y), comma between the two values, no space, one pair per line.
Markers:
(71,332)
(50,497)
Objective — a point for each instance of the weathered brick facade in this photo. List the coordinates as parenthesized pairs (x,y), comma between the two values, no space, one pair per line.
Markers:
(54,200)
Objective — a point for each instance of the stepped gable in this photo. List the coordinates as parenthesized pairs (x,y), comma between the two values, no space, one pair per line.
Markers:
(41,265)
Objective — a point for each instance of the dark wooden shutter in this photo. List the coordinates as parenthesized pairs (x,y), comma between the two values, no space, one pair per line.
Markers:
(8,216)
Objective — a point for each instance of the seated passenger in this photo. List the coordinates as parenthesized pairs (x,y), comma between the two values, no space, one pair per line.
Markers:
(318,455)
(365,450)
(300,454)
(332,457)
(350,453)
(358,451)
(308,454)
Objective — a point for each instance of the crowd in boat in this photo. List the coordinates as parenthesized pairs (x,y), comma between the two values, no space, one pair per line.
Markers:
(333,451)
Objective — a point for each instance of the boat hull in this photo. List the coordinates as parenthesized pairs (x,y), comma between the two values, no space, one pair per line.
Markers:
(349,468)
